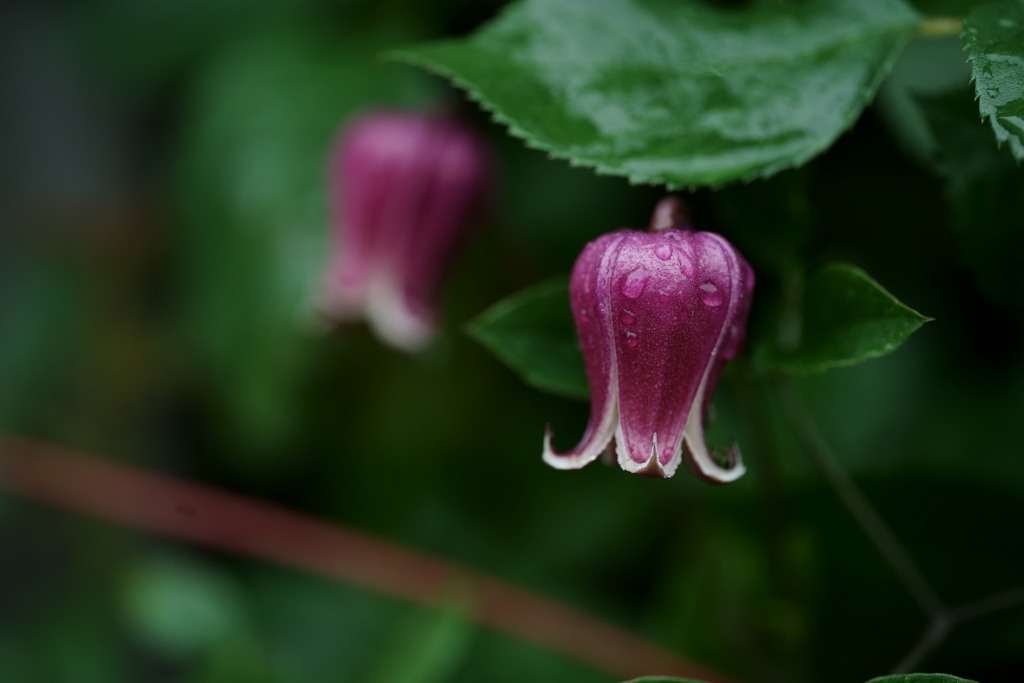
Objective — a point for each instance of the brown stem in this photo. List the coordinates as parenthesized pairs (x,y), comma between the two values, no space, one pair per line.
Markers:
(244,526)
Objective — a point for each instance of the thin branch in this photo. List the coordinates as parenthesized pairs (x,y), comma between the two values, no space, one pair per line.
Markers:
(995,603)
(244,526)
(934,633)
(940,618)
(875,527)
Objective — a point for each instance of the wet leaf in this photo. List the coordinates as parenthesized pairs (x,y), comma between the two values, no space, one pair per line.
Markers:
(994,42)
(672,91)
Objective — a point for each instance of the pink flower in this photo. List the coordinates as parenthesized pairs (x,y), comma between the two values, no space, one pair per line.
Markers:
(404,189)
(658,314)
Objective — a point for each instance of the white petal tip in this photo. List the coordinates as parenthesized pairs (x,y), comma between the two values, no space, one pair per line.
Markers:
(706,466)
(568,461)
(652,467)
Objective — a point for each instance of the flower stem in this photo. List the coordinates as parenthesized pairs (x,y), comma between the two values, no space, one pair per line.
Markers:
(230,523)
(941,619)
(937,27)
(995,603)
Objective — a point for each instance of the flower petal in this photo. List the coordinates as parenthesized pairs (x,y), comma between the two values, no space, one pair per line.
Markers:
(699,459)
(392,319)
(674,300)
(740,279)
(589,288)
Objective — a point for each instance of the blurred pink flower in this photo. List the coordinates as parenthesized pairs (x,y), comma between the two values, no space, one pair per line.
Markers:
(658,314)
(404,188)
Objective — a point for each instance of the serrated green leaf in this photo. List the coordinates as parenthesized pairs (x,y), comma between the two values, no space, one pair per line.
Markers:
(994,42)
(920,678)
(533,333)
(676,91)
(846,318)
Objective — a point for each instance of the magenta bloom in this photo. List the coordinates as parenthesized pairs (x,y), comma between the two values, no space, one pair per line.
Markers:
(658,314)
(404,188)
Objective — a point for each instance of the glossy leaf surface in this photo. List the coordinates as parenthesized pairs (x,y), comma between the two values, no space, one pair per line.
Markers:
(533,333)
(846,318)
(677,92)
(994,41)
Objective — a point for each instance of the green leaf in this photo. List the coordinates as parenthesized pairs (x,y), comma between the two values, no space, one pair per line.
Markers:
(676,91)
(846,318)
(920,678)
(983,186)
(533,333)
(994,41)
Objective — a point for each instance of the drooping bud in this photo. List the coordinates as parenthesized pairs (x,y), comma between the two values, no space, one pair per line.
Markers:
(404,188)
(658,314)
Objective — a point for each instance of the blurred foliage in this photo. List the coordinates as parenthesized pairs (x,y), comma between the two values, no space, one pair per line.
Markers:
(252,169)
(168,326)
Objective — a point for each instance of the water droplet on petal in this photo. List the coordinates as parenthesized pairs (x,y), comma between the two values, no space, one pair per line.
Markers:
(711,295)
(627,317)
(631,339)
(663,251)
(633,285)
(685,265)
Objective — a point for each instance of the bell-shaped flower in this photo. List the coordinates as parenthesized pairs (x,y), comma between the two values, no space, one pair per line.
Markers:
(658,314)
(404,187)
